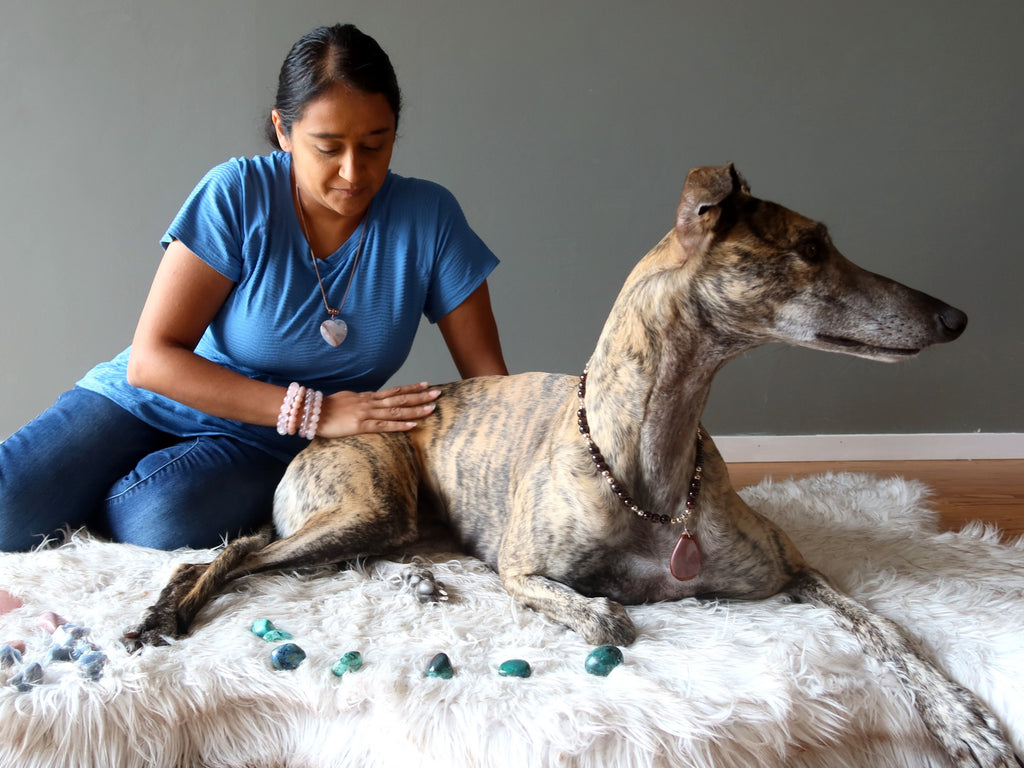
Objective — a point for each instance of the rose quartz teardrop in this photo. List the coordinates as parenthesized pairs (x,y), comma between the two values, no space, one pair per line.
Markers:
(685,562)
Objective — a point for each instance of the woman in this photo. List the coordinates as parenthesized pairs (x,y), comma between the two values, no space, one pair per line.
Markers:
(310,265)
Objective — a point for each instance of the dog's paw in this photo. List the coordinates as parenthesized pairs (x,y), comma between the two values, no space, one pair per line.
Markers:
(154,630)
(606,623)
(134,640)
(424,586)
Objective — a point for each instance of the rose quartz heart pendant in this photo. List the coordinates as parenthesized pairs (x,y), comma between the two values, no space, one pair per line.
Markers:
(334,330)
(685,562)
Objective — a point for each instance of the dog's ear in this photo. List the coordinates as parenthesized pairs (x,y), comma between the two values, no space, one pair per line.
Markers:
(704,193)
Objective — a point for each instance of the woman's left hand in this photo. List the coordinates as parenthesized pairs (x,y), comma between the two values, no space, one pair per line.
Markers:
(396,409)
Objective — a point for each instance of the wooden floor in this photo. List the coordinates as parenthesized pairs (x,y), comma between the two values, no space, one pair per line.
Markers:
(991,491)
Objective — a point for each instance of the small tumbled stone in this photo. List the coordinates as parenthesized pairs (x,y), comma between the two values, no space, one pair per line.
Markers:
(29,677)
(287,656)
(9,602)
(91,664)
(276,635)
(260,627)
(57,653)
(349,662)
(440,666)
(68,634)
(9,656)
(49,621)
(425,587)
(603,659)
(81,648)
(515,668)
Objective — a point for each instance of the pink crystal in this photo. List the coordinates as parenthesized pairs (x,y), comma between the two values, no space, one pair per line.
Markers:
(685,562)
(8,602)
(49,621)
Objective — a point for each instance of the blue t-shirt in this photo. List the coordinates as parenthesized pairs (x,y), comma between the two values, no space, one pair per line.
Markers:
(419,257)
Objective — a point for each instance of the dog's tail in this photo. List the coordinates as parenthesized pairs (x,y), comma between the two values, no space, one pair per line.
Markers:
(218,573)
(188,590)
(963,725)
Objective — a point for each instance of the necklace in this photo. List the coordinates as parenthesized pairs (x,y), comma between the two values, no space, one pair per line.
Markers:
(686,558)
(333,329)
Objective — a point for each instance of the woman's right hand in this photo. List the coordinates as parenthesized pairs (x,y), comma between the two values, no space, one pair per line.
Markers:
(396,409)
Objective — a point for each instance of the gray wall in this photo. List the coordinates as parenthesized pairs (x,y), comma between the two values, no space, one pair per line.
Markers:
(565,129)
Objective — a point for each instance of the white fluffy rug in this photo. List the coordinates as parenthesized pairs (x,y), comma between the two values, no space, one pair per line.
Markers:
(706,684)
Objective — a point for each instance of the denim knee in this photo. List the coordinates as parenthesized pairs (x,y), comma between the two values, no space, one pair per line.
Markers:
(57,469)
(194,494)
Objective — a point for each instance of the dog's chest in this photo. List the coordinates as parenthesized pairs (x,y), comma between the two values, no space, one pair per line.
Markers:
(642,576)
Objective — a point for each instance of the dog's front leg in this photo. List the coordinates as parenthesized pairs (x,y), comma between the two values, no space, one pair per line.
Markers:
(598,620)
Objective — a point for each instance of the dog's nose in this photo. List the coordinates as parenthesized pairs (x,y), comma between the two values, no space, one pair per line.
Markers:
(952,322)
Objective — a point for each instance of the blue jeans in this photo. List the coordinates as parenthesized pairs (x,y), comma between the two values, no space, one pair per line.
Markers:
(87,461)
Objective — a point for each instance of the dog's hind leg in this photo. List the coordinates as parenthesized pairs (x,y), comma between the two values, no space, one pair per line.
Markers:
(339,500)
(964,726)
(342,499)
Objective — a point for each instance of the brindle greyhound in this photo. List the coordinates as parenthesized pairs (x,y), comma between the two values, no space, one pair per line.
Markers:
(578,531)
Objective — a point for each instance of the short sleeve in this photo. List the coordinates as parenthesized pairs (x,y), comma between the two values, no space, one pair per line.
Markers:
(210,223)
(462,263)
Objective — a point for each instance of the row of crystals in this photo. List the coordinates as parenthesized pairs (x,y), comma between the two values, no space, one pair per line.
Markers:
(600,661)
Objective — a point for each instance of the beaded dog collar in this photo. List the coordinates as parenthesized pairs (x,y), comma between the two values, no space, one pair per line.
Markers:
(686,558)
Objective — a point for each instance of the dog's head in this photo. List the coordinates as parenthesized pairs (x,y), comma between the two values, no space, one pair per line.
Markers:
(760,272)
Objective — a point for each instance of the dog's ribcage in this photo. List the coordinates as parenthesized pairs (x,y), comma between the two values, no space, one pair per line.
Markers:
(474,471)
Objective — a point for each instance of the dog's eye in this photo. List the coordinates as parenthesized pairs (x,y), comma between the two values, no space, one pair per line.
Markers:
(811,251)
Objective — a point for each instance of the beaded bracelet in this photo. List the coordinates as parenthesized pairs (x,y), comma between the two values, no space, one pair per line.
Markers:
(311,413)
(289,409)
(300,411)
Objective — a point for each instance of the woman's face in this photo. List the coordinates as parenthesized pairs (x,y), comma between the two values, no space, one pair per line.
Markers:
(341,149)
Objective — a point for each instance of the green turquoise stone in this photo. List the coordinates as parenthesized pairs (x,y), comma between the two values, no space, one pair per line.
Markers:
(349,662)
(603,660)
(287,656)
(276,635)
(260,627)
(440,666)
(515,668)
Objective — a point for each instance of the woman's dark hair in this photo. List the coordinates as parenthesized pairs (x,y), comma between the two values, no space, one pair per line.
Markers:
(323,58)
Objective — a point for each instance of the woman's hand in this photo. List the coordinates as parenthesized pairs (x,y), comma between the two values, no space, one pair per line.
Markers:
(397,409)
(186,295)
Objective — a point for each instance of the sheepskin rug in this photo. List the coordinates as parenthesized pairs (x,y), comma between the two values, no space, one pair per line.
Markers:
(706,684)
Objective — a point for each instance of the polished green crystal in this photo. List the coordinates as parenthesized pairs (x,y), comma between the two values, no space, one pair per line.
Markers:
(260,627)
(276,635)
(349,662)
(440,666)
(603,659)
(515,668)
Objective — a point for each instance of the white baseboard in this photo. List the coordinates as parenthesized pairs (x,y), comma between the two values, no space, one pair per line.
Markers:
(971,445)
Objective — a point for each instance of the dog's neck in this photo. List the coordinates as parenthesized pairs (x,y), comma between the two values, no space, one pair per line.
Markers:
(644,400)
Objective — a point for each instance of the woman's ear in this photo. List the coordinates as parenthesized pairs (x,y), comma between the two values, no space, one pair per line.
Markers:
(283,138)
